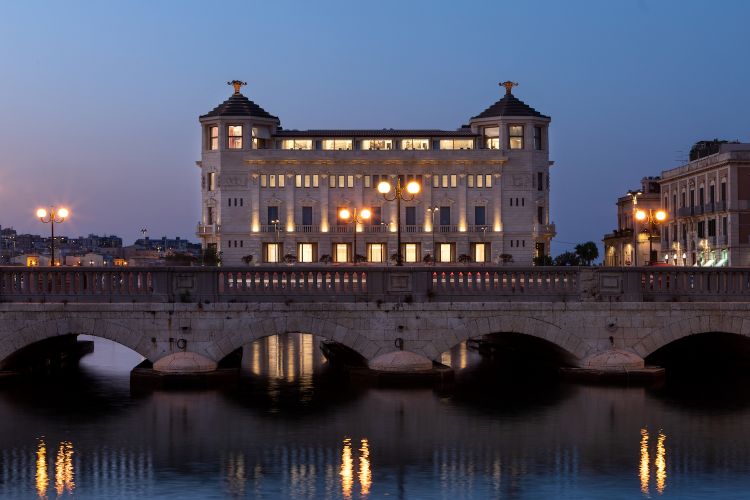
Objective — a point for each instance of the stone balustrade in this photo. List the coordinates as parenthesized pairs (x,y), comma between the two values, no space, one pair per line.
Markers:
(334,283)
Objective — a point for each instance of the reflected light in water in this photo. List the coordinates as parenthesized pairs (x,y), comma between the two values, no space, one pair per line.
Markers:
(64,469)
(236,476)
(644,465)
(661,463)
(42,479)
(347,469)
(365,474)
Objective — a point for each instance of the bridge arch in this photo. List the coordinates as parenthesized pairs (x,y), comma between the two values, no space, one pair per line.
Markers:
(687,327)
(514,323)
(38,331)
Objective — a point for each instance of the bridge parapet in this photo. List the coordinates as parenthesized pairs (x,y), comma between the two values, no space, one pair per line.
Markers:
(316,283)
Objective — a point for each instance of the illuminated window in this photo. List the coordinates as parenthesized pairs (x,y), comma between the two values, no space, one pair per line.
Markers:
(454,180)
(341,252)
(305,144)
(306,252)
(445,252)
(421,144)
(377,144)
(350,181)
(337,144)
(492,137)
(307,180)
(211,182)
(515,136)
(272,252)
(410,252)
(480,252)
(272,180)
(436,181)
(213,137)
(488,180)
(366,180)
(376,252)
(456,144)
(234,134)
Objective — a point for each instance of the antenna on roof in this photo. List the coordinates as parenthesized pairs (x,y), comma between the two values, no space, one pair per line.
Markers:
(237,84)
(508,86)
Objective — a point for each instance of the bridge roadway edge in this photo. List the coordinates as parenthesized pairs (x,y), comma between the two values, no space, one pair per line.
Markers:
(212,331)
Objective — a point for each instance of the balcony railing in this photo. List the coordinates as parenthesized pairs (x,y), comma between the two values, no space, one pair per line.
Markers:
(449,228)
(411,228)
(478,228)
(207,229)
(307,228)
(270,228)
(380,228)
(544,229)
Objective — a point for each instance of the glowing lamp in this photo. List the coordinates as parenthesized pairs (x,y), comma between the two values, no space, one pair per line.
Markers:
(41,213)
(384,187)
(412,187)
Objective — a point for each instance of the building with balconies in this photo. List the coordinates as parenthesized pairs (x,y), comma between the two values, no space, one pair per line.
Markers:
(275,194)
(634,242)
(710,199)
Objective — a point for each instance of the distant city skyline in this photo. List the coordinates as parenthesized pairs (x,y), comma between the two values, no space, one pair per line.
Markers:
(99,103)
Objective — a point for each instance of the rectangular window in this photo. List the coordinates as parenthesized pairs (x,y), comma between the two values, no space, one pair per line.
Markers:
(445,216)
(724,228)
(692,197)
(263,180)
(491,137)
(377,216)
(307,180)
(701,197)
(272,252)
(480,252)
(411,216)
(350,181)
(342,180)
(488,180)
(307,216)
(701,229)
(456,144)
(470,181)
(712,227)
(377,144)
(213,137)
(209,215)
(272,181)
(367,181)
(480,180)
(540,215)
(445,252)
(376,252)
(331,181)
(515,136)
(341,252)
(540,181)
(307,252)
(454,180)
(316,180)
(298,180)
(421,144)
(273,214)
(305,144)
(211,181)
(712,194)
(435,181)
(410,252)
(723,192)
(337,144)
(479,215)
(234,134)
(537,137)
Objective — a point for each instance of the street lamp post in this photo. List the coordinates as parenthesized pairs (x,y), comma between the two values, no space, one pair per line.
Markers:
(634,195)
(412,188)
(355,219)
(653,218)
(433,211)
(52,217)
(277,230)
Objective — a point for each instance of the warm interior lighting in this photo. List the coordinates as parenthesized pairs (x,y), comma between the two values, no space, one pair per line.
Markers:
(63,212)
(640,214)
(661,215)
(384,187)
(365,213)
(41,213)
(344,213)
(412,187)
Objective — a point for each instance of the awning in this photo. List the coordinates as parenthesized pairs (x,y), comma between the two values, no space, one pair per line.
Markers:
(708,263)
(722,262)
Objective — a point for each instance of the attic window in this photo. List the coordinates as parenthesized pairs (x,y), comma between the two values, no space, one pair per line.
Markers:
(515,136)
(213,137)
(234,133)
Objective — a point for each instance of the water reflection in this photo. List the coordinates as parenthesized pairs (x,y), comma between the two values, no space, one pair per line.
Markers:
(644,468)
(291,357)
(660,463)
(42,479)
(365,474)
(64,469)
(347,469)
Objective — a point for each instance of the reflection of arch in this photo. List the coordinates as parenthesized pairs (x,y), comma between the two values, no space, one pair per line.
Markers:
(243,333)
(42,330)
(686,327)
(525,325)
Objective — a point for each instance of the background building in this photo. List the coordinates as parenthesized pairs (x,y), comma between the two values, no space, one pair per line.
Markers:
(709,202)
(620,245)
(268,192)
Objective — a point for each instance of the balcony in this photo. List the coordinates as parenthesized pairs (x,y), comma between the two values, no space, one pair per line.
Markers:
(412,228)
(270,228)
(686,212)
(380,228)
(545,229)
(450,228)
(207,229)
(478,228)
(341,229)
(307,228)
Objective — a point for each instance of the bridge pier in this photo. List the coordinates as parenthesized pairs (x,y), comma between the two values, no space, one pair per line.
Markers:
(614,365)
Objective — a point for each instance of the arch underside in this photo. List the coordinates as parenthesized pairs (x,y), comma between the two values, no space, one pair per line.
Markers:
(687,327)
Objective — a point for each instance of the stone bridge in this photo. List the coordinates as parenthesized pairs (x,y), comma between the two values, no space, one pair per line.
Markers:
(189,319)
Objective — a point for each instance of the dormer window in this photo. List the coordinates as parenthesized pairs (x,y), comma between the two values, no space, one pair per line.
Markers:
(234,134)
(337,144)
(492,137)
(515,136)
(306,144)
(421,144)
(213,137)
(377,144)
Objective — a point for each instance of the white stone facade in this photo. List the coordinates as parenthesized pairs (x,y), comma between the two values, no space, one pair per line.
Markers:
(270,193)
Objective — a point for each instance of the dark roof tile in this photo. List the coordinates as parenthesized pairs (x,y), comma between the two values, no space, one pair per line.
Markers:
(239,105)
(509,105)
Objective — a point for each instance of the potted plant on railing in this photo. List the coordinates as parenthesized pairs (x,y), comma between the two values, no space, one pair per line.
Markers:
(247,259)
(394,258)
(465,259)
(428,259)
(506,258)
(290,259)
(325,259)
(360,258)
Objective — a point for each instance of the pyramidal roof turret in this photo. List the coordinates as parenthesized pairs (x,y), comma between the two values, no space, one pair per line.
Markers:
(239,105)
(509,105)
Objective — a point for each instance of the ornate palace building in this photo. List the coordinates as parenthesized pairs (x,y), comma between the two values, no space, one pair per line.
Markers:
(277,194)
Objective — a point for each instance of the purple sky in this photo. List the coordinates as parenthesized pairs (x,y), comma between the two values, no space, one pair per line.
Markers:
(99,101)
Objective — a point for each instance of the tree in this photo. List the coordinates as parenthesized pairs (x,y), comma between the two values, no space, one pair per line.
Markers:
(543,260)
(465,258)
(179,259)
(568,259)
(588,252)
(360,258)
(210,257)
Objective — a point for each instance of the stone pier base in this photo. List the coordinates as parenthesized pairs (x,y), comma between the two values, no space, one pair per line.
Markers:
(614,366)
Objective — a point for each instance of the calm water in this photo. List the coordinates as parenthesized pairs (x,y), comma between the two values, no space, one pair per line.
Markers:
(293,430)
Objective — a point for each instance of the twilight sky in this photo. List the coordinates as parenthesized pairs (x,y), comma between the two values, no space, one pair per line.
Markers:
(99,101)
